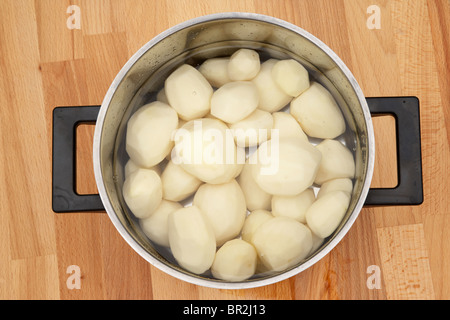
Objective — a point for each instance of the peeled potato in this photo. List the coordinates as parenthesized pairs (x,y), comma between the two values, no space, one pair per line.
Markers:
(272,98)
(342,184)
(130,167)
(255,197)
(208,132)
(318,113)
(253,130)
(244,65)
(287,126)
(337,161)
(223,205)
(293,206)
(149,132)
(155,227)
(234,101)
(252,222)
(326,213)
(191,239)
(282,242)
(188,92)
(161,96)
(215,70)
(142,192)
(205,148)
(181,123)
(177,184)
(235,261)
(316,240)
(239,165)
(285,167)
(290,76)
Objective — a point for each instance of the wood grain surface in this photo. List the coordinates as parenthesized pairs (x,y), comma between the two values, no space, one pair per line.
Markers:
(44,64)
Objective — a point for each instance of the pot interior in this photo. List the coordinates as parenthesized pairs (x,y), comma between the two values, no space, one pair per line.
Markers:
(192,43)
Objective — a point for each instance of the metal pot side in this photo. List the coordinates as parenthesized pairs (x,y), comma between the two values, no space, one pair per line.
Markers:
(206,37)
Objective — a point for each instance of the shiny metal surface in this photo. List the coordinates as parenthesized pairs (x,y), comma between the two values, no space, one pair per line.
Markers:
(199,39)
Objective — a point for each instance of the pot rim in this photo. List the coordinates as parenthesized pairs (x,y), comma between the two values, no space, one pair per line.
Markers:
(207,282)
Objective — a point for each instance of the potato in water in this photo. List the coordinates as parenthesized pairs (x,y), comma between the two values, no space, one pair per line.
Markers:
(177,184)
(326,213)
(282,242)
(252,222)
(291,77)
(318,113)
(271,97)
(155,226)
(337,161)
(294,207)
(215,70)
(340,184)
(191,239)
(149,132)
(285,167)
(188,92)
(226,179)
(253,130)
(243,65)
(255,197)
(287,126)
(235,261)
(142,192)
(223,205)
(234,101)
(205,148)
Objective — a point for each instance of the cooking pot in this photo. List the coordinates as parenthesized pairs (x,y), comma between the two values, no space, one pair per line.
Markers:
(220,35)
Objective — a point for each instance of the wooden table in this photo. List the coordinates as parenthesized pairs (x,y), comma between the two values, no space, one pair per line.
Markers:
(45,64)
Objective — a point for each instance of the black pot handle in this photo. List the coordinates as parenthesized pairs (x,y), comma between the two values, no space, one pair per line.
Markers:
(64,195)
(405,110)
(409,190)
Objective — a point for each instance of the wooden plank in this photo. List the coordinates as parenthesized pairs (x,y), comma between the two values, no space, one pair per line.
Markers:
(418,51)
(51,20)
(79,244)
(140,31)
(25,143)
(85,179)
(34,278)
(373,51)
(100,240)
(439,17)
(405,261)
(436,230)
(126,275)
(385,173)
(166,287)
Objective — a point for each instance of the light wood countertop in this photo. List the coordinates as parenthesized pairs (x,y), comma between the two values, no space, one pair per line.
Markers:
(44,64)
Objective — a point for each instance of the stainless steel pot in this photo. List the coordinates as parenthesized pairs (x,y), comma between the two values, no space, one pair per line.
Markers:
(193,42)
